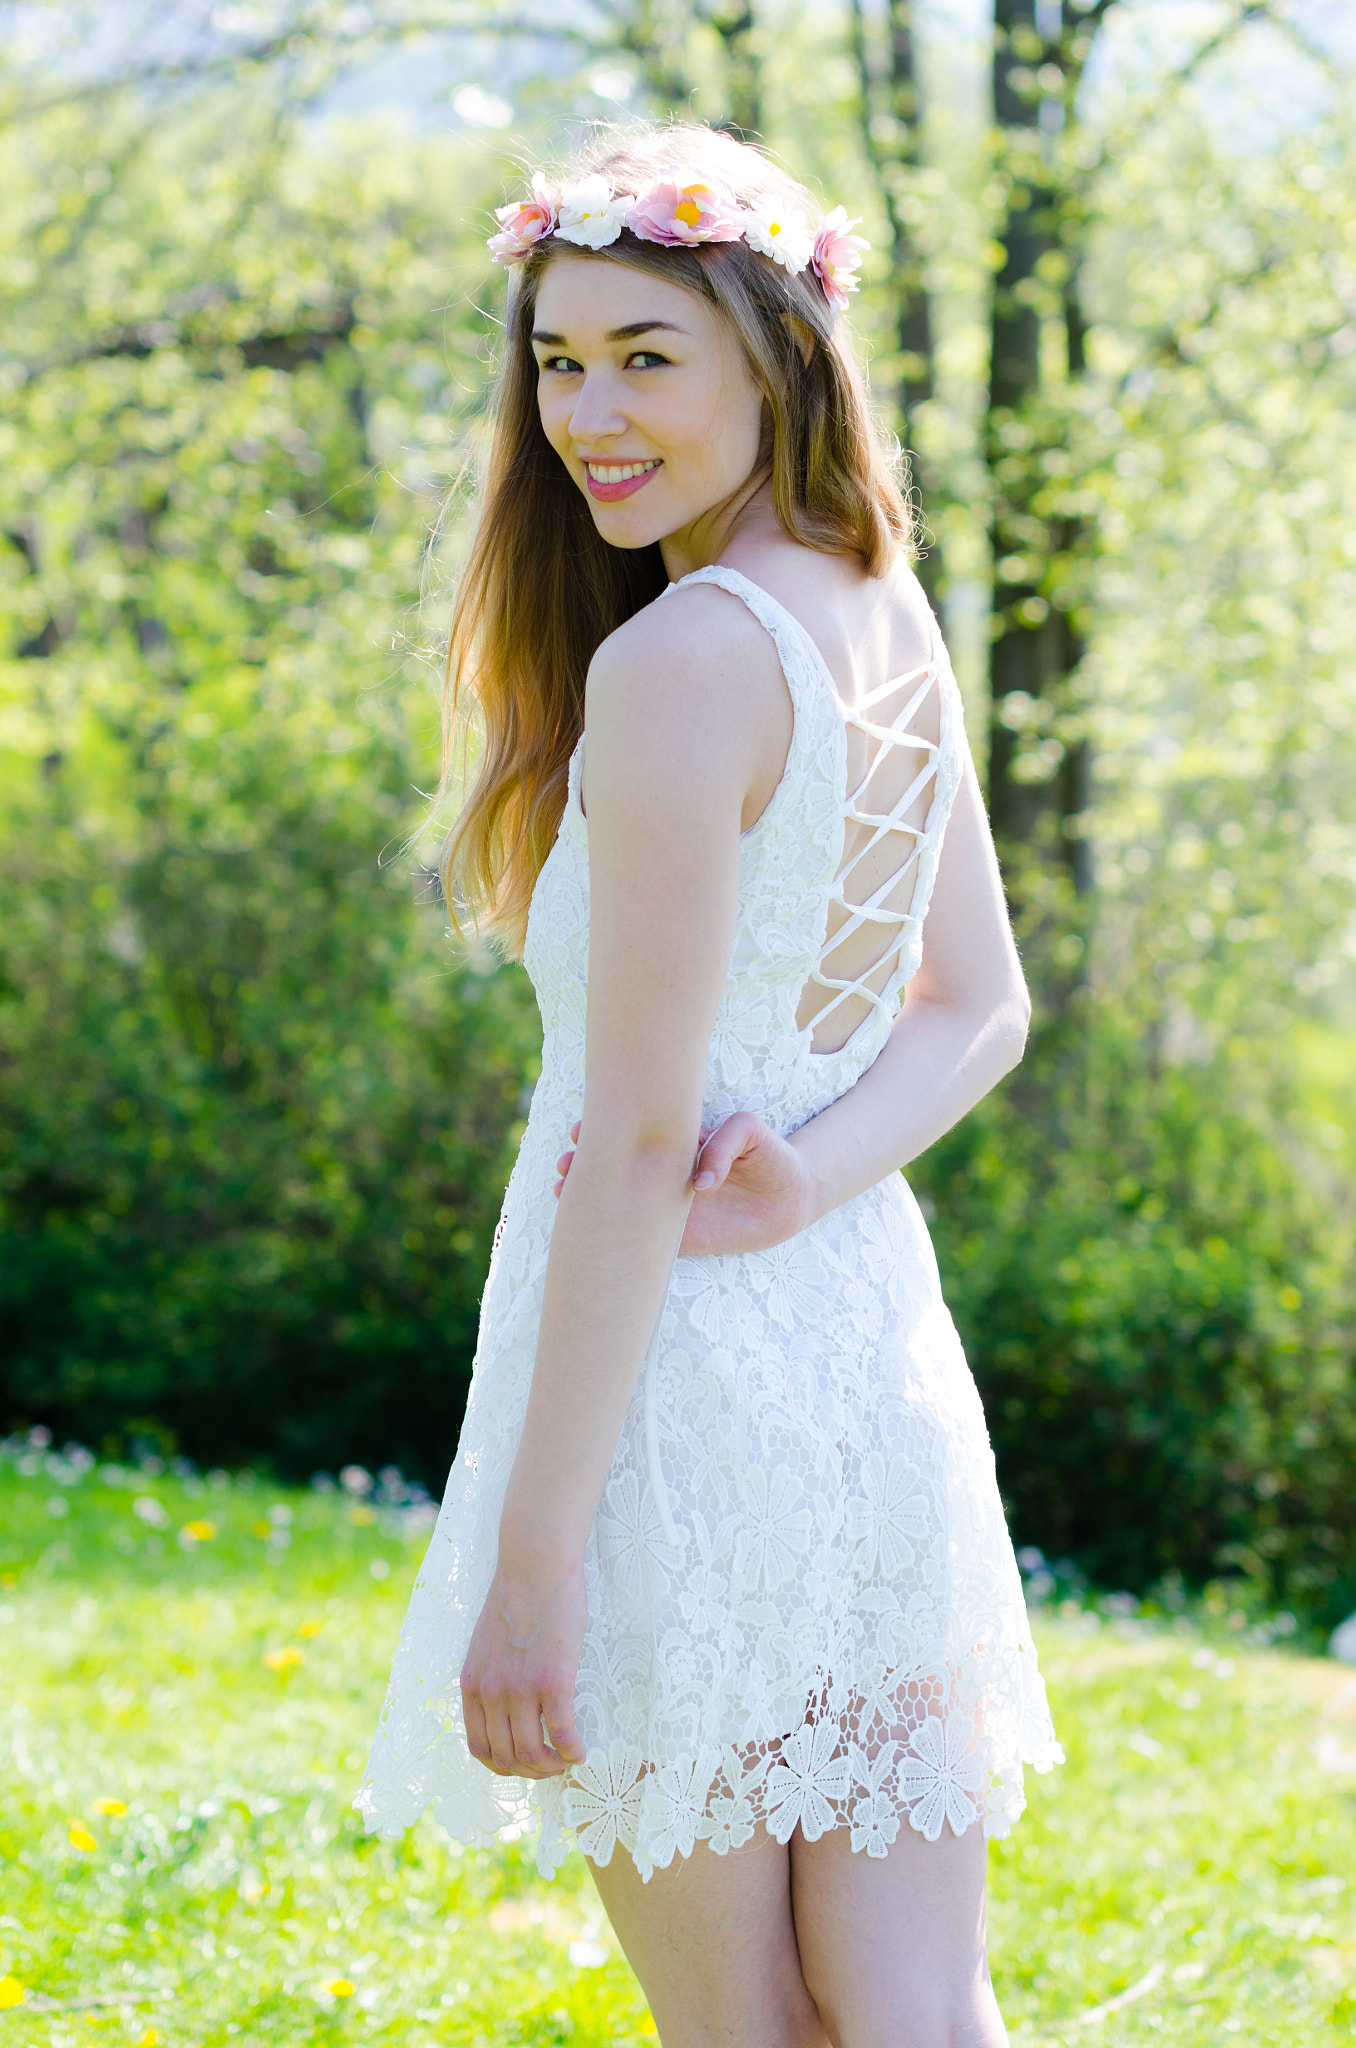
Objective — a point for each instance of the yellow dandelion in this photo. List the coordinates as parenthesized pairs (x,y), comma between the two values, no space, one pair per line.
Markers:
(80,1837)
(340,1988)
(263,1528)
(112,1807)
(150,2039)
(282,1660)
(201,1532)
(309,1629)
(11,1993)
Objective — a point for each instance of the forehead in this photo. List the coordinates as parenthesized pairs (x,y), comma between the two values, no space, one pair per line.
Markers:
(581,296)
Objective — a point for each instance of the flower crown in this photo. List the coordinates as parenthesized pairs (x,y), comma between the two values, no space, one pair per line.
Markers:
(681,208)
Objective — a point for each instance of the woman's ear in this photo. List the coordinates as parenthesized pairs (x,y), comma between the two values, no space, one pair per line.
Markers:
(802,334)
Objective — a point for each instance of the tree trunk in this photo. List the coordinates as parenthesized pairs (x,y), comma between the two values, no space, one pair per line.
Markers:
(1034,806)
(891,118)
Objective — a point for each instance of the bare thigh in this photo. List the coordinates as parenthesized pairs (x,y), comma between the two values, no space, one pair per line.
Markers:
(811,1945)
(713,1943)
(892,1948)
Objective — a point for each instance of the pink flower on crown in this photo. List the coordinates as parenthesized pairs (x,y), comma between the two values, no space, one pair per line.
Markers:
(522,223)
(837,257)
(681,206)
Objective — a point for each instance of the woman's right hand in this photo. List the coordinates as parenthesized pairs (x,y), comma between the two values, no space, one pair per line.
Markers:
(751,1189)
(517,1684)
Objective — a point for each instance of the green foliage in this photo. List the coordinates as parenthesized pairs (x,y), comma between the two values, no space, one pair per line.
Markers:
(257,1117)
(1159,1308)
(1196,1849)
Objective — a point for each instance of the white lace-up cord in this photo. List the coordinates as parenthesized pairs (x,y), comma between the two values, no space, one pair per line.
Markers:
(651,1372)
(856,915)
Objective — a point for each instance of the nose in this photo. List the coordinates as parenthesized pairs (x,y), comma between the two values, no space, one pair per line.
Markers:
(596,415)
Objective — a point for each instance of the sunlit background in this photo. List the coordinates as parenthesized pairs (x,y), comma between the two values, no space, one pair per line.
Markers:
(257,1111)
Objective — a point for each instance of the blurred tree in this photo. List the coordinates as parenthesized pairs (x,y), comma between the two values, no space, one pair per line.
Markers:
(1053,169)
(255,1124)
(891,108)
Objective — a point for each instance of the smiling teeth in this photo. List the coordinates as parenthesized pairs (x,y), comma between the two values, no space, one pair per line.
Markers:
(618,472)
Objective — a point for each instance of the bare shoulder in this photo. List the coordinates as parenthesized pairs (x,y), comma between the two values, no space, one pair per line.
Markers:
(698,636)
(688,713)
(693,667)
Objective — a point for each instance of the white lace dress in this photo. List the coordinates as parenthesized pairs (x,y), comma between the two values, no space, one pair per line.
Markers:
(804,1608)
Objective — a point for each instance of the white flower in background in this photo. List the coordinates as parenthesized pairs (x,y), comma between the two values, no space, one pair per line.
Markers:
(777,1527)
(590,215)
(889,1515)
(779,231)
(875,1819)
(480,109)
(943,1777)
(674,1806)
(805,1777)
(602,1801)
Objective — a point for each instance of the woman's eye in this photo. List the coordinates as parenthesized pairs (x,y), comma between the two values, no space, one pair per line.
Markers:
(566,365)
(645,359)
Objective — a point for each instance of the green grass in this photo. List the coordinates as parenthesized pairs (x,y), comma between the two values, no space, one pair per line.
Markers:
(1199,1849)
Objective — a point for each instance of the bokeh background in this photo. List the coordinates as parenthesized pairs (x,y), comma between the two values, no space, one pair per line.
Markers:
(256,1110)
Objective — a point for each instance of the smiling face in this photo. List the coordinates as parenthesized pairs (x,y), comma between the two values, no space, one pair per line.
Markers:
(646,396)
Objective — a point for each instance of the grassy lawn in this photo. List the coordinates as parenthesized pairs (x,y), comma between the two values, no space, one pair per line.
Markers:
(190,1685)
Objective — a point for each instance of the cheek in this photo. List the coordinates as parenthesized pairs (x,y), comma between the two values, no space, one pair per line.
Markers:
(551,415)
(738,429)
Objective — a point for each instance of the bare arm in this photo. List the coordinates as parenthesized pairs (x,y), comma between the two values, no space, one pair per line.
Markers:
(681,728)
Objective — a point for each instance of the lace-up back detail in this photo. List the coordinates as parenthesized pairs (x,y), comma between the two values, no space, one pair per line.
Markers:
(862,809)
(894,766)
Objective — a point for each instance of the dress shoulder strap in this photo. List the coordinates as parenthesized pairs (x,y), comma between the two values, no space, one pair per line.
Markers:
(807,677)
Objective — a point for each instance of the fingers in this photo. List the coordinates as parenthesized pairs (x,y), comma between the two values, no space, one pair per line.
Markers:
(565,1159)
(532,1756)
(738,1134)
(477,1734)
(522,1735)
(557,1710)
(503,1752)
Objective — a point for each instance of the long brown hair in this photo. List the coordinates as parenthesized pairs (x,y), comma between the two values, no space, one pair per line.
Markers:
(542,590)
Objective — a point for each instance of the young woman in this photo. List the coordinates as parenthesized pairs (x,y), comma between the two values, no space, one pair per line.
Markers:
(722,1566)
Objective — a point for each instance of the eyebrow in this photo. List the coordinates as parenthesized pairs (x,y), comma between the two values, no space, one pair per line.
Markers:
(629,333)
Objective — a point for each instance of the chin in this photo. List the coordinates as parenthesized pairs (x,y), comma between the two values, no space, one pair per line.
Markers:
(622,532)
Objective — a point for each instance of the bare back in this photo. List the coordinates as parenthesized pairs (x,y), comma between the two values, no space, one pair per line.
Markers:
(878,641)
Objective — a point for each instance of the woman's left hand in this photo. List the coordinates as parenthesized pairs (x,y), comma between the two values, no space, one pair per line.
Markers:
(517,1684)
(751,1189)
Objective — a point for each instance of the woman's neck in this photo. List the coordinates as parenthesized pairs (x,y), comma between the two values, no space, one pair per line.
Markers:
(747,511)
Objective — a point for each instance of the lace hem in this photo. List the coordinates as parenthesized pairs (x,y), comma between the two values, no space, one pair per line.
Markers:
(813,1779)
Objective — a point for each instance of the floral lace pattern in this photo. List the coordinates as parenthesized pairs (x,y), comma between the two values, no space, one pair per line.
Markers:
(837,1638)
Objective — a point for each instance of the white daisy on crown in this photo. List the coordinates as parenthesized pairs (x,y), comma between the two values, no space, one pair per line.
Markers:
(682,208)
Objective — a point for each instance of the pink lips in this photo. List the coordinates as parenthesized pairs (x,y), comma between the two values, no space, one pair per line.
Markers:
(610,493)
